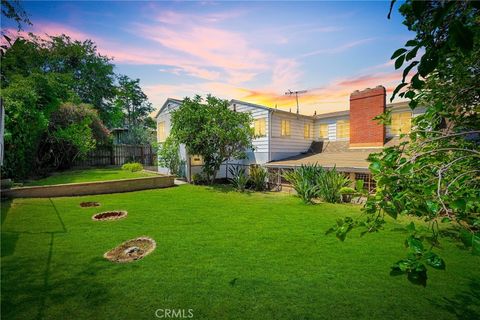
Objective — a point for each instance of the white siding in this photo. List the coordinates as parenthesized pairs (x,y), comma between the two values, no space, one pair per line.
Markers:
(332,127)
(283,147)
(165,116)
(260,144)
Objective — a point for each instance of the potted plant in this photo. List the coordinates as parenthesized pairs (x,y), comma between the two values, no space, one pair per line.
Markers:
(347,194)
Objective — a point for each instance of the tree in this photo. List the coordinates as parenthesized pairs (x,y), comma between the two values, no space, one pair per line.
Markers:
(86,73)
(37,76)
(28,102)
(435,175)
(92,76)
(133,103)
(213,131)
(13,10)
(73,131)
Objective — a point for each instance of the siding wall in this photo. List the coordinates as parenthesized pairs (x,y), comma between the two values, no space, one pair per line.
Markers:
(332,127)
(415,113)
(259,154)
(283,147)
(166,117)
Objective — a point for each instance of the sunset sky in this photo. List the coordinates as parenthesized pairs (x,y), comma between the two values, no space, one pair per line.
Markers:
(253,51)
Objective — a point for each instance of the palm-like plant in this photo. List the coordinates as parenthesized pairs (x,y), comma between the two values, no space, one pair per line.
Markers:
(239,178)
(258,174)
(329,183)
(303,180)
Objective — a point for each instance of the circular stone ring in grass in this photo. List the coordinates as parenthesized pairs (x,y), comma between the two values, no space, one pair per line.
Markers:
(131,250)
(89,204)
(109,215)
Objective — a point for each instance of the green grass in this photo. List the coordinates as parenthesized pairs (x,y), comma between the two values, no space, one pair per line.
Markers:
(88,175)
(223,254)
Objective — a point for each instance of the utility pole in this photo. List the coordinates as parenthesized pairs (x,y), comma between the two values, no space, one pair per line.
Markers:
(291,93)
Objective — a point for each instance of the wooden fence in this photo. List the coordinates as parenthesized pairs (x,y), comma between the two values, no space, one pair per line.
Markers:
(117,155)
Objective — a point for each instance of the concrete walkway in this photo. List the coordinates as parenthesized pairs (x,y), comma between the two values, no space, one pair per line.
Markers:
(180,182)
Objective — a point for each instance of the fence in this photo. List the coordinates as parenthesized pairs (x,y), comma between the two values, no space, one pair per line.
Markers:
(117,155)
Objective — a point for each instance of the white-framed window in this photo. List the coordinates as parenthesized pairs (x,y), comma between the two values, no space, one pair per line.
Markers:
(343,129)
(323,131)
(161,131)
(260,127)
(285,128)
(401,123)
(307,130)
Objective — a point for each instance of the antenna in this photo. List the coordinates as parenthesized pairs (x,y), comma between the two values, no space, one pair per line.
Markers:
(291,93)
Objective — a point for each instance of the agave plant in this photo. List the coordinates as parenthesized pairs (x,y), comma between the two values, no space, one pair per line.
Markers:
(259,175)
(329,184)
(304,181)
(239,178)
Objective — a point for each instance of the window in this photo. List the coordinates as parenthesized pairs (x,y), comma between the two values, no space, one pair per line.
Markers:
(161,131)
(343,129)
(323,132)
(307,131)
(368,182)
(401,123)
(196,160)
(285,128)
(259,126)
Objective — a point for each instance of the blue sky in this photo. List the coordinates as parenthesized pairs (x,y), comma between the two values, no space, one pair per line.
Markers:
(253,51)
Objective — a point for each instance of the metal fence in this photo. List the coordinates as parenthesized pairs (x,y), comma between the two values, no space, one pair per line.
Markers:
(117,155)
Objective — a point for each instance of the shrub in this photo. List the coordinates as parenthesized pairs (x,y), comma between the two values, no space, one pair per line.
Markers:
(329,183)
(347,190)
(239,178)
(258,175)
(304,181)
(169,157)
(198,178)
(347,194)
(73,131)
(132,166)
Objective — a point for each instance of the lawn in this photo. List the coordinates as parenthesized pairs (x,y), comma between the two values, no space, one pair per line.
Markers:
(223,254)
(88,175)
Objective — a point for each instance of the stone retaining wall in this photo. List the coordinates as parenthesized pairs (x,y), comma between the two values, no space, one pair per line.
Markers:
(90,188)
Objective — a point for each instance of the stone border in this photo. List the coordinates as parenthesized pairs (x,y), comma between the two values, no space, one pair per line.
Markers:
(91,188)
(112,255)
(123,214)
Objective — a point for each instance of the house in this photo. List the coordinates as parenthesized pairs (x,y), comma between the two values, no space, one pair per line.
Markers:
(285,140)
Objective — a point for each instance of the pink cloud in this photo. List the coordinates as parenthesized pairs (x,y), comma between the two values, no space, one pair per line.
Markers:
(331,97)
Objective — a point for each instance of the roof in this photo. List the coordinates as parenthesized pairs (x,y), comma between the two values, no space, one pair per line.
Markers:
(352,160)
(273,110)
(332,114)
(396,105)
(334,154)
(165,104)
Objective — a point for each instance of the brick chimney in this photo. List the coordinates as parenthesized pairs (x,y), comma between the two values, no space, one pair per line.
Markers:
(364,106)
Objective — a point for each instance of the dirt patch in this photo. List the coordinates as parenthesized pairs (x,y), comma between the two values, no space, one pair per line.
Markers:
(109,215)
(131,250)
(89,204)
